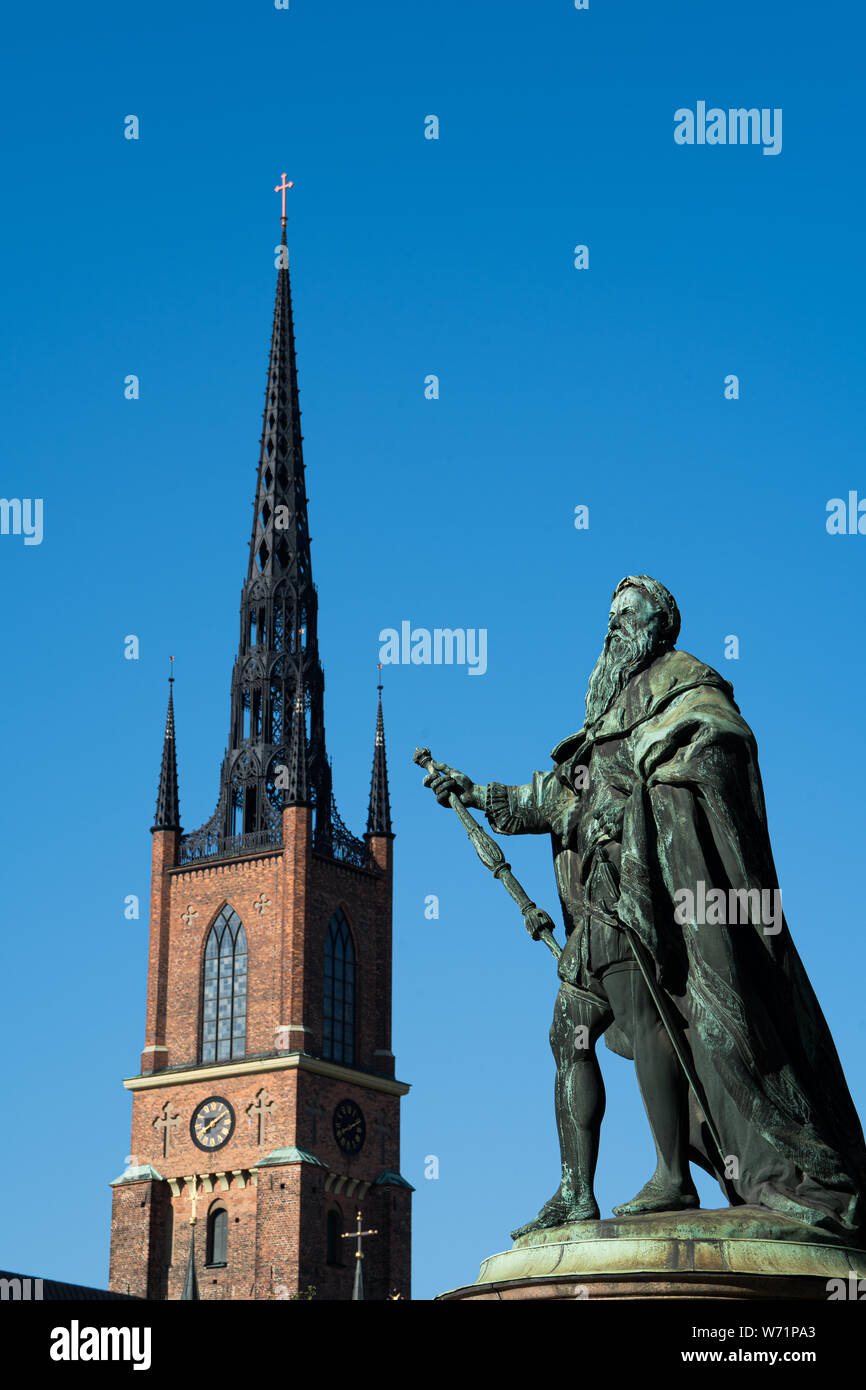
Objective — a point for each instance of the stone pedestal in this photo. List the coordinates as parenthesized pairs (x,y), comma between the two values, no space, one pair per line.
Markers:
(734,1253)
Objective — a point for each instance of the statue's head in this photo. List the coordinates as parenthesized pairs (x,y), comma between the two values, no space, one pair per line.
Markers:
(656,605)
(644,622)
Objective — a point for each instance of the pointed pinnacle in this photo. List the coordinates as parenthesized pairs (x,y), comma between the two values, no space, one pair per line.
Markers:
(379,812)
(167,800)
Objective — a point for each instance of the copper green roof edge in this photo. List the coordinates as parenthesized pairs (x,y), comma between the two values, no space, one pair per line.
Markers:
(388,1177)
(145,1172)
(289,1155)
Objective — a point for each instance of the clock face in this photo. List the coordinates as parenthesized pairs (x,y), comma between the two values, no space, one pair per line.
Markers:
(350,1129)
(212,1123)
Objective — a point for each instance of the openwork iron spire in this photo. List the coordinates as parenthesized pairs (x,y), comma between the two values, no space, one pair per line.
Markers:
(379,813)
(167,800)
(278,656)
(277,688)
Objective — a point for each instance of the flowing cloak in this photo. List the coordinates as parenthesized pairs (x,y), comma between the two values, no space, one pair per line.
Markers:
(669,779)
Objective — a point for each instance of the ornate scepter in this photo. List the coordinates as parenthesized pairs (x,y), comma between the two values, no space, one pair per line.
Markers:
(537,922)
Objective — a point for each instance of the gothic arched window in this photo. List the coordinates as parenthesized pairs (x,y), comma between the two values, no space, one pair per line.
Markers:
(217,1236)
(224,1010)
(339,1029)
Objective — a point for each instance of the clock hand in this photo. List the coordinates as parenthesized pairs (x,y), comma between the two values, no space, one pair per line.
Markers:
(210,1125)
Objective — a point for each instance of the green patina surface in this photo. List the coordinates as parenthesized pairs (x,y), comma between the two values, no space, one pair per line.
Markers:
(667,1244)
(288,1155)
(143,1172)
(678,954)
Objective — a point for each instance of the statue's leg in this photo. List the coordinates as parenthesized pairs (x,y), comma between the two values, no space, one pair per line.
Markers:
(578,1022)
(664,1090)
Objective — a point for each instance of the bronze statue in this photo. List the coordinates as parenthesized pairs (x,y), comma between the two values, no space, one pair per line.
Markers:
(677,949)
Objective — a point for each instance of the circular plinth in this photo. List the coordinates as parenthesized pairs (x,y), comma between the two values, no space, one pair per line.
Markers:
(740,1253)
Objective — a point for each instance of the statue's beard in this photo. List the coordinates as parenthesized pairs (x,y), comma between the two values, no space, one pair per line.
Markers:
(625,652)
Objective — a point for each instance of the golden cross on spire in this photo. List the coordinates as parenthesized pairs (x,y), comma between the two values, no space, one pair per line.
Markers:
(283,188)
(357,1236)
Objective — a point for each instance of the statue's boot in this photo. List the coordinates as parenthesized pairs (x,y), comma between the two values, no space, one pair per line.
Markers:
(560,1211)
(660,1196)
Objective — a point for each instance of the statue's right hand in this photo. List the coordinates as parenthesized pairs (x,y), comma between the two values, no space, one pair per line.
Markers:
(444,781)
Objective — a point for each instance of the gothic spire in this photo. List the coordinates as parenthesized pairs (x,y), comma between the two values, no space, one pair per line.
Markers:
(278,686)
(280,541)
(278,654)
(379,813)
(167,801)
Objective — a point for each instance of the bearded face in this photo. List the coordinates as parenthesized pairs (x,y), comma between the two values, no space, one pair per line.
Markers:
(633,641)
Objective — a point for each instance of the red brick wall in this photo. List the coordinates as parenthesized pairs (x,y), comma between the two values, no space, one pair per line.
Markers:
(208,889)
(238,1279)
(365,899)
(285,943)
(276,1230)
(242,1150)
(139,1239)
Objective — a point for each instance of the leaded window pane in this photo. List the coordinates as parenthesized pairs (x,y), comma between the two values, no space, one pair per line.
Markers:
(224,989)
(339,1001)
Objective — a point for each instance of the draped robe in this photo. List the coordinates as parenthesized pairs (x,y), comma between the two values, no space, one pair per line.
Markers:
(664,794)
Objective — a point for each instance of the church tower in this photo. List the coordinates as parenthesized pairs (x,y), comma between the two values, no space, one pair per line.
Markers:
(266,1115)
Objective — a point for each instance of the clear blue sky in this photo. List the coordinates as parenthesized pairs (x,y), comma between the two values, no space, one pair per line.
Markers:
(558,387)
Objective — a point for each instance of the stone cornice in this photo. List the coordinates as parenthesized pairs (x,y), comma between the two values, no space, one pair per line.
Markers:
(286,1061)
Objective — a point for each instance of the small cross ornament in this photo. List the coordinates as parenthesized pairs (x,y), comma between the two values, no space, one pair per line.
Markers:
(186,917)
(261,1109)
(357,1236)
(284,188)
(167,1122)
(261,903)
